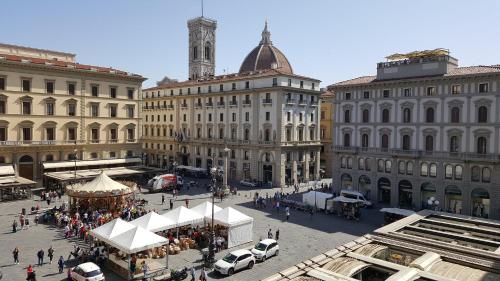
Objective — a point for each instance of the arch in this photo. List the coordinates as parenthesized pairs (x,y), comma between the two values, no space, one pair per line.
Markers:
(364,186)
(384,190)
(267,157)
(26,167)
(429,115)
(480,203)
(405,190)
(26,159)
(453,199)
(346,181)
(428,194)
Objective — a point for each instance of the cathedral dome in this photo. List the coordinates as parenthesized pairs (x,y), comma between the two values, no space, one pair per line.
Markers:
(266,56)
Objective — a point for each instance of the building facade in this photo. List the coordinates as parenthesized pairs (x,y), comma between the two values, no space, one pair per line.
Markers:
(53,109)
(265,114)
(326,133)
(423,133)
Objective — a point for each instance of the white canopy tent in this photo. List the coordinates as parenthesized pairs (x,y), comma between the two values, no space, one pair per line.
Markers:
(182,216)
(111,229)
(205,209)
(153,222)
(135,240)
(240,226)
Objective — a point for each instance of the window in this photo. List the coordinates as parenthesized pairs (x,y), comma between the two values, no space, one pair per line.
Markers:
(366,94)
(94,110)
(385,141)
(221,88)
(481,145)
(406,115)
(385,115)
(448,172)
(189,91)
(311,134)
(386,93)
(221,117)
(2,83)
(364,140)
(50,134)
(429,143)
(454,144)
(130,94)
(112,135)
(247,116)
(275,81)
(482,114)
(433,170)
(289,82)
(483,87)
(49,87)
(209,133)
(455,115)
(431,91)
(131,112)
(233,86)
(429,115)
(347,139)
(380,165)
(288,116)
(406,142)
(388,166)
(27,134)
(288,135)
(246,135)
(268,116)
(172,118)
(2,107)
(347,96)
(247,84)
(26,84)
(95,90)
(207,51)
(349,162)
(26,107)
(233,134)
(72,109)
(71,134)
(475,174)
(366,116)
(347,116)
(49,108)
(267,135)
(401,167)
(112,110)
(209,89)
(301,84)
(409,168)
(486,175)
(199,90)
(300,117)
(407,92)
(221,133)
(195,52)
(112,92)
(424,170)
(458,172)
(361,163)
(184,117)
(456,89)
(311,117)
(130,134)
(3,134)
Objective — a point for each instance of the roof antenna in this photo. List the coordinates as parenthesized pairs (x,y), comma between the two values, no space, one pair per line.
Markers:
(201,8)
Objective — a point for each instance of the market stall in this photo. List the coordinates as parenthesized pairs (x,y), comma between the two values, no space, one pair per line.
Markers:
(102,193)
(111,229)
(239,226)
(182,216)
(153,222)
(205,209)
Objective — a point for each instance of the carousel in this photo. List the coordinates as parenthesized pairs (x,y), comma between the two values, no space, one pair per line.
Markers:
(102,193)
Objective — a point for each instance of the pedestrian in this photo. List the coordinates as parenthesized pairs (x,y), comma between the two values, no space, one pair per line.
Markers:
(187,203)
(60,264)
(278,206)
(311,212)
(15,254)
(277,234)
(133,264)
(203,275)
(21,221)
(14,226)
(287,210)
(221,195)
(163,199)
(193,273)
(48,200)
(145,270)
(50,254)
(270,234)
(171,204)
(27,223)
(36,219)
(29,272)
(40,255)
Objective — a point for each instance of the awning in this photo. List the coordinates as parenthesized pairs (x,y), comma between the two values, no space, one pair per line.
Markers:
(7,170)
(69,175)
(84,163)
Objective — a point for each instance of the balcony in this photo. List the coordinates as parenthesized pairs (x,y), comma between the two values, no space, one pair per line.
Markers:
(233,103)
(95,141)
(290,101)
(184,105)
(170,107)
(247,103)
(131,140)
(314,103)
(113,141)
(40,142)
(267,101)
(209,104)
(303,102)
(221,104)
(198,105)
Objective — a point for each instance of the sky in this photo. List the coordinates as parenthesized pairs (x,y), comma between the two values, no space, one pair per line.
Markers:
(331,40)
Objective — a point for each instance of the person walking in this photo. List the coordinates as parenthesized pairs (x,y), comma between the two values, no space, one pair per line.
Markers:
(187,203)
(277,206)
(29,272)
(14,226)
(277,234)
(60,264)
(171,204)
(21,221)
(15,254)
(37,218)
(203,275)
(145,270)
(193,273)
(50,254)
(40,255)
(163,199)
(270,234)
(287,211)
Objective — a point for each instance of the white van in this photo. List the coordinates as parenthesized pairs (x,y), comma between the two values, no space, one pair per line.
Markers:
(355,195)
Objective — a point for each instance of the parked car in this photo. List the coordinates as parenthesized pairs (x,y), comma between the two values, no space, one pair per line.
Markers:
(351,194)
(88,271)
(234,261)
(266,249)
(248,183)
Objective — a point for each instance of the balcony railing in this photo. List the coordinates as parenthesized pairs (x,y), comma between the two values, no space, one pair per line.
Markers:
(197,104)
(40,142)
(247,102)
(184,105)
(221,104)
(267,101)
(302,102)
(209,104)
(233,103)
(290,101)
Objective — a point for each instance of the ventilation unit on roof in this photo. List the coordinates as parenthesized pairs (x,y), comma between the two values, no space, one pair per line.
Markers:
(25,61)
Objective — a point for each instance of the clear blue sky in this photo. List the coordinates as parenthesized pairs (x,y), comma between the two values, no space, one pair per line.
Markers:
(332,40)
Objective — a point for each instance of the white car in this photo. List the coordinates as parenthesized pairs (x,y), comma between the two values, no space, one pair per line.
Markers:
(248,183)
(235,261)
(351,194)
(88,271)
(266,249)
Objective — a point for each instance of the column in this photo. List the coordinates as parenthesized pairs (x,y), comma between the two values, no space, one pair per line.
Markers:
(306,166)
(294,170)
(317,164)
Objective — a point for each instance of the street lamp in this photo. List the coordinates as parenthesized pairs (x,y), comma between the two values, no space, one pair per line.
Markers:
(215,173)
(226,150)
(74,153)
(433,204)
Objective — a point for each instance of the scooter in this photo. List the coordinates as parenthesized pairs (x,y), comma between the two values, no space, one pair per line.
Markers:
(178,275)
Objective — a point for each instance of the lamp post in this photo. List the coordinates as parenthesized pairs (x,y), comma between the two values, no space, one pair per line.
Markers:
(215,173)
(74,153)
(226,154)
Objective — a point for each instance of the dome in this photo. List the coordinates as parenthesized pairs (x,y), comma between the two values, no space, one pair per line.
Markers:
(266,56)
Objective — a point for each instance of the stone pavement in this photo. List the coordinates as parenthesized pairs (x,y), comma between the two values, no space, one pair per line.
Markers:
(301,238)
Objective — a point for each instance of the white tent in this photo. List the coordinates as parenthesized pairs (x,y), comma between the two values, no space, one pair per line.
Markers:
(136,239)
(153,222)
(240,226)
(183,216)
(205,209)
(111,229)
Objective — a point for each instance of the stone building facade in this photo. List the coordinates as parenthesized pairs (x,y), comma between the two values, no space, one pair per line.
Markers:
(326,133)
(423,133)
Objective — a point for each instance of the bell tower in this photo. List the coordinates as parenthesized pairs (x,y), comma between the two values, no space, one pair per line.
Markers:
(201,47)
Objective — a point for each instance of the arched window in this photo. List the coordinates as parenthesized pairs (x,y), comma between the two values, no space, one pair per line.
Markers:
(380,165)
(361,163)
(406,115)
(349,162)
(367,164)
(267,135)
(343,162)
(424,169)
(347,139)
(195,52)
(453,144)
(401,167)
(388,166)
(409,168)
(208,53)
(364,140)
(406,142)
(482,114)
(475,174)
(366,116)
(455,115)
(385,115)
(385,141)
(433,170)
(448,171)
(481,145)
(246,134)
(347,116)
(429,143)
(458,172)
(486,174)
(429,115)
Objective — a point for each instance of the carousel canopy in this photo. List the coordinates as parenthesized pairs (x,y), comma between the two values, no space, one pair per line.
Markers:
(205,209)
(153,222)
(230,217)
(111,229)
(135,240)
(183,216)
(100,186)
